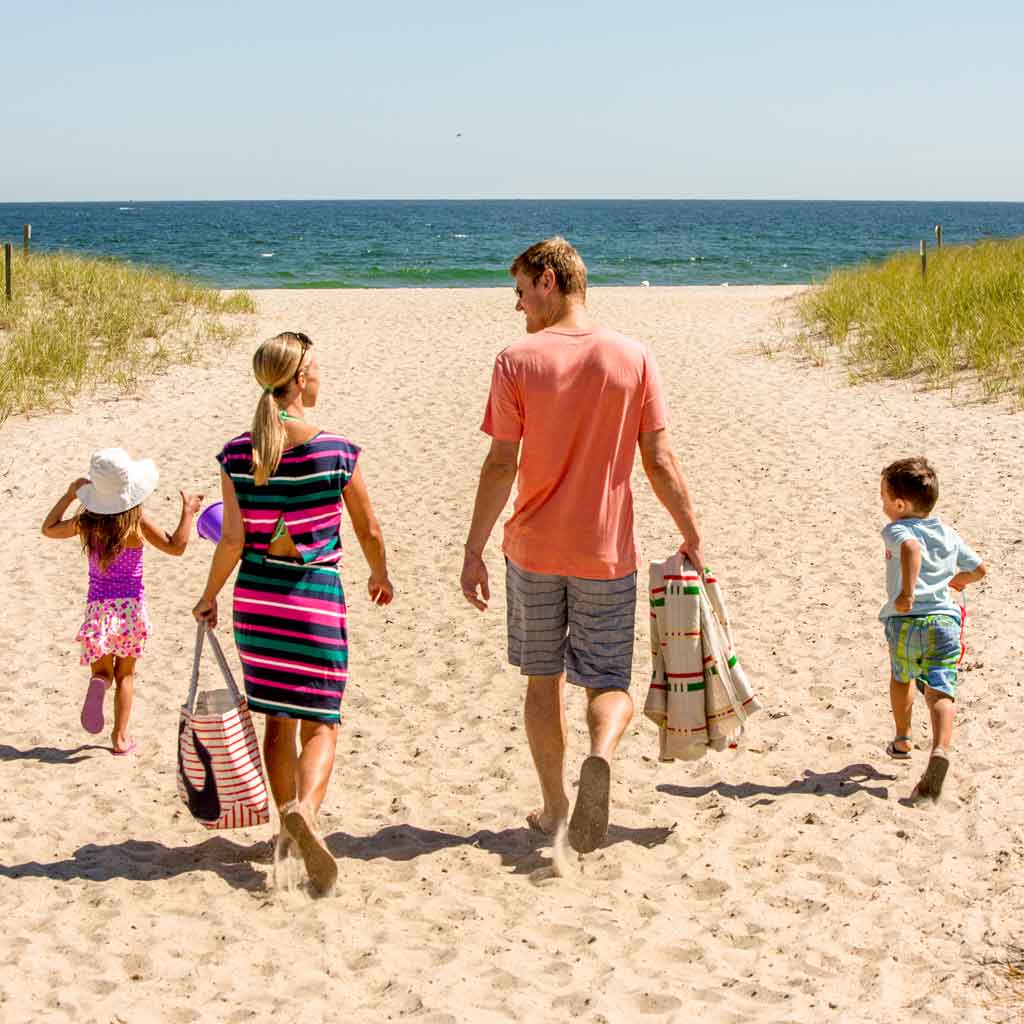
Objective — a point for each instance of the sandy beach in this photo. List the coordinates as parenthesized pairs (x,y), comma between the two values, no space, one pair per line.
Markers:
(787,881)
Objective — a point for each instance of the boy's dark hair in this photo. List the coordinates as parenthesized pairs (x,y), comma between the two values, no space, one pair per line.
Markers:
(914,481)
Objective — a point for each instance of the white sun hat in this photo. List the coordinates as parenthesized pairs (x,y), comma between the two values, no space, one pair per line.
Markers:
(117,482)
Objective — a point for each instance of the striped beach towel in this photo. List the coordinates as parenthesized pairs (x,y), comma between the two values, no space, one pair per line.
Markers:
(699,696)
(220,774)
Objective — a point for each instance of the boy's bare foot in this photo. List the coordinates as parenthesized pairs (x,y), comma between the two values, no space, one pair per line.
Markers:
(321,867)
(929,786)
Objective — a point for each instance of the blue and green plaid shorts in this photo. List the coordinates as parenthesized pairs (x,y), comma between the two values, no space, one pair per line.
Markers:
(925,649)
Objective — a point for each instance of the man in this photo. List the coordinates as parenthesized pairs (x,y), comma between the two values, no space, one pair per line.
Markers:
(567,407)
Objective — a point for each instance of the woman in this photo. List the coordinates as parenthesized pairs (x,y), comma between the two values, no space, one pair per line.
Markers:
(283,485)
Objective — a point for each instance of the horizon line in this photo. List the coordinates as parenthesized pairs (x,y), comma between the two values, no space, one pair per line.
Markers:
(502,199)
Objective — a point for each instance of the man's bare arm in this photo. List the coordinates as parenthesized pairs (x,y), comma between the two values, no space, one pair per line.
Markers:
(497,475)
(669,486)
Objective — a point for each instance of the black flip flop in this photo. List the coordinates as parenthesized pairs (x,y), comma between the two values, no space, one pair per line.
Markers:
(894,752)
(589,823)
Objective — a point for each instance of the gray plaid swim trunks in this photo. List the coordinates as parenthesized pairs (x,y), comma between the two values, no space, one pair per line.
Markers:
(567,624)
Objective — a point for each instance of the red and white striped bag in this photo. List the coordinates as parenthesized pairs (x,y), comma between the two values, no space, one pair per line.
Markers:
(220,773)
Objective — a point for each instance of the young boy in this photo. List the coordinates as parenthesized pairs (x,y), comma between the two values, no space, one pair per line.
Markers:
(924,560)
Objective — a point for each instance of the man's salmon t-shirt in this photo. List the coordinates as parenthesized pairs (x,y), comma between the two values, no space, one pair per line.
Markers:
(578,401)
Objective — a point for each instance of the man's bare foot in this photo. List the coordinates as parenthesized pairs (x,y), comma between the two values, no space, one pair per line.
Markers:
(589,823)
(547,824)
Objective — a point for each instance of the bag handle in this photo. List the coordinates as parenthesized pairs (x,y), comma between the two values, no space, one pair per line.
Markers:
(203,629)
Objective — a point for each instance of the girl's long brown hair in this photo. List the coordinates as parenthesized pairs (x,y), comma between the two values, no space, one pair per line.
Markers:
(276,362)
(106,536)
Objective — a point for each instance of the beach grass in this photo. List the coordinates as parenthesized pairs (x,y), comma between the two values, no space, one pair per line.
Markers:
(75,321)
(888,320)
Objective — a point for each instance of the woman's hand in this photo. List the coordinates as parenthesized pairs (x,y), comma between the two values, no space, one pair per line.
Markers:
(191,502)
(73,489)
(381,591)
(206,611)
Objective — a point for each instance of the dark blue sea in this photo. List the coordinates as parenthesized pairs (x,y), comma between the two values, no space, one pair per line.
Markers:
(470,243)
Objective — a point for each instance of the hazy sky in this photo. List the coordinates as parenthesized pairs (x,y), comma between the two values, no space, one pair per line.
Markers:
(663,99)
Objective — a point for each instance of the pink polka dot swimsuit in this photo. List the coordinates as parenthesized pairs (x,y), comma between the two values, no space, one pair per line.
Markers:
(121,578)
(116,619)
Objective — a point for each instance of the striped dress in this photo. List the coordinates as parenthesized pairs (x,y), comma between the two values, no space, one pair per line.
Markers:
(289,613)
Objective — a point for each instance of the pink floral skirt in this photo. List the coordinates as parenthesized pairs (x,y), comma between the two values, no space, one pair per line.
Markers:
(116,625)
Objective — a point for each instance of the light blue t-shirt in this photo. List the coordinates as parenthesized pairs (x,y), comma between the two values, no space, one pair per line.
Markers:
(943,555)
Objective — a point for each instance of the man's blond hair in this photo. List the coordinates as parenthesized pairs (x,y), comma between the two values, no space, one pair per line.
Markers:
(564,261)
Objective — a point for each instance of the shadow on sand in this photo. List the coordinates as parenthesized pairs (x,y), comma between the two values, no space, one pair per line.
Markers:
(140,861)
(845,782)
(49,755)
(518,848)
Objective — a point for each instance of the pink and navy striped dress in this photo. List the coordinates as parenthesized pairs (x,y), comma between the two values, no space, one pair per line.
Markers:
(289,613)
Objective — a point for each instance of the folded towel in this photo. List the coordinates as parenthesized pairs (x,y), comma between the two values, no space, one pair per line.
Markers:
(699,696)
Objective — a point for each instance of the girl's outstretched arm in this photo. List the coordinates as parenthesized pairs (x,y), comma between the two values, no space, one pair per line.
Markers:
(173,543)
(55,526)
(225,556)
(370,537)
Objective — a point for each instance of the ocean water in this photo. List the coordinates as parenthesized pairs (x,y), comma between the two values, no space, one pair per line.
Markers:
(470,243)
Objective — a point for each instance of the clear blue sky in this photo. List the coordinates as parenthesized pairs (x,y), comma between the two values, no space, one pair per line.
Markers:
(664,98)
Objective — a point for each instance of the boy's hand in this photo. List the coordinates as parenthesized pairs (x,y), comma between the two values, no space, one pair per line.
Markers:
(191,502)
(904,603)
(381,590)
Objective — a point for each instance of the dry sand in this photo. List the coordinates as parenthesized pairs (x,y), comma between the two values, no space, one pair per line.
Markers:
(787,882)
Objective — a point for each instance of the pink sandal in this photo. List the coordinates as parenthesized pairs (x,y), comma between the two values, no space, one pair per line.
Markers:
(92,708)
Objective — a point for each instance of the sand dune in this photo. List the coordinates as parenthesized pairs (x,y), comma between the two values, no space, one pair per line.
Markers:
(788,881)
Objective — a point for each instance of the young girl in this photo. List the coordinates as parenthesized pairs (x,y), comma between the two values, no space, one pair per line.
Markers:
(112,528)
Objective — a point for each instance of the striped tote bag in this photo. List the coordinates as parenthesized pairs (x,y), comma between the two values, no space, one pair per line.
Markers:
(220,774)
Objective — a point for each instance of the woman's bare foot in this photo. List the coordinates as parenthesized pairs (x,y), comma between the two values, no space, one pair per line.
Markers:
(321,867)
(545,822)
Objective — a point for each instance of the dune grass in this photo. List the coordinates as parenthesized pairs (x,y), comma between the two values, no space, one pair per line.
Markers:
(966,314)
(75,322)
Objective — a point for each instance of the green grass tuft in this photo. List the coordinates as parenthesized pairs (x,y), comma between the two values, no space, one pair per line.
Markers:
(74,322)
(966,314)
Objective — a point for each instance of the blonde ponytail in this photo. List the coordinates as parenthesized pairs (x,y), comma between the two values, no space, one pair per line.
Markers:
(276,363)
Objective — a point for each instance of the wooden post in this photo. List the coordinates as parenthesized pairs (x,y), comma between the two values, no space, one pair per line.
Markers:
(924,259)
(7,269)
(938,236)
(26,237)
